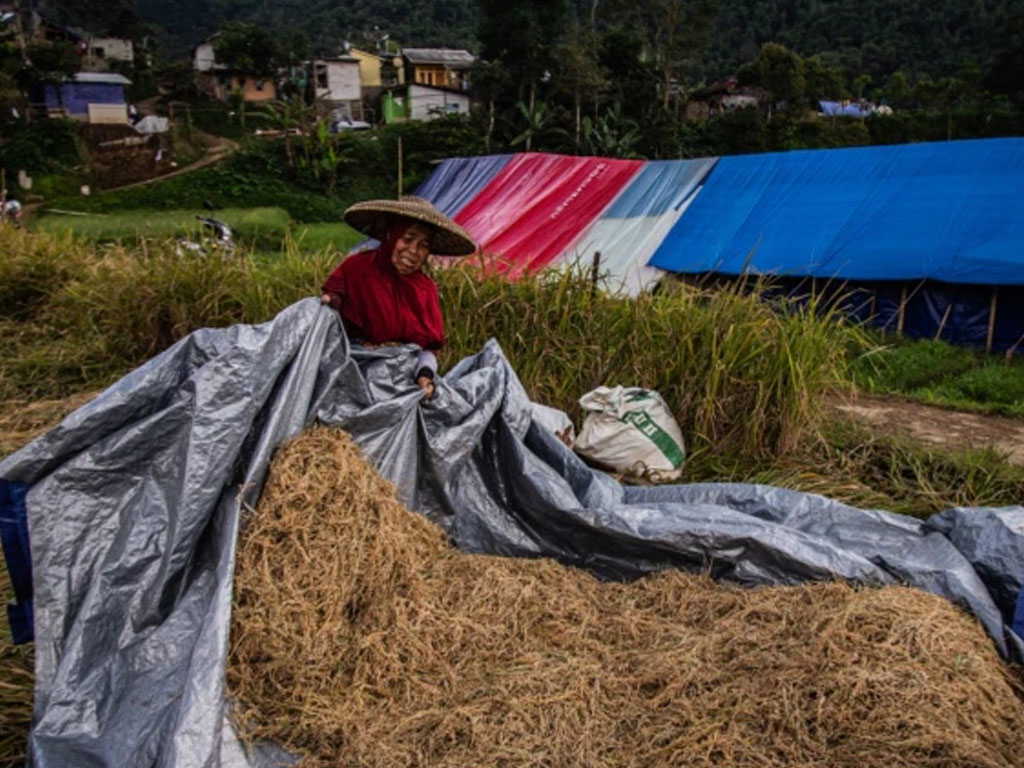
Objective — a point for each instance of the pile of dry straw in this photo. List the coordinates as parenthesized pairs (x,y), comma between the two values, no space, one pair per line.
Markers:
(361,638)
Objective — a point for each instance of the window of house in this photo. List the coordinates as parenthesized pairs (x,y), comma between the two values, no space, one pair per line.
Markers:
(259,85)
(99,53)
(321,76)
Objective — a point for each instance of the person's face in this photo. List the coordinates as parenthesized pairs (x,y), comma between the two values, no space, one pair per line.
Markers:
(412,249)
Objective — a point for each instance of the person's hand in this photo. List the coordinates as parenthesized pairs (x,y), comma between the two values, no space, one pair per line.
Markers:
(325,299)
(427,385)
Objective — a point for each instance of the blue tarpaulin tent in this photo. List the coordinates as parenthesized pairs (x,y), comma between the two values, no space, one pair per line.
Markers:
(938,225)
(458,180)
(627,234)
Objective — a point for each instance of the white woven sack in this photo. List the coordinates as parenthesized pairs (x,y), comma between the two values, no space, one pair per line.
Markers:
(631,430)
(554,421)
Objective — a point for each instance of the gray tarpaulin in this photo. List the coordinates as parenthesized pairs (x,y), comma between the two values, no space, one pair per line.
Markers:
(135,502)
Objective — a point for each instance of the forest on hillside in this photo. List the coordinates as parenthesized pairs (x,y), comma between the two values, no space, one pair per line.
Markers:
(870,37)
(619,77)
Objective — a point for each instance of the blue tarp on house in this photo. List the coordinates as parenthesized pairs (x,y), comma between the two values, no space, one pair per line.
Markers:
(946,211)
(844,109)
(84,89)
(76,97)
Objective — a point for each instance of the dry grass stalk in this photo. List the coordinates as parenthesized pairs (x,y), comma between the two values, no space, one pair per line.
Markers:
(360,638)
(23,420)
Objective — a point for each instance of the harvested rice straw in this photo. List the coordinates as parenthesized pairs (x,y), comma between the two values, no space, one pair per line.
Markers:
(360,638)
(23,420)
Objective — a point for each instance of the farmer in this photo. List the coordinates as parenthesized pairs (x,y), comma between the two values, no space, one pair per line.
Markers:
(383,295)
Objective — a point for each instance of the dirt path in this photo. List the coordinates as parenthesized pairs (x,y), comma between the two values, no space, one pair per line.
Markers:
(933,425)
(218,148)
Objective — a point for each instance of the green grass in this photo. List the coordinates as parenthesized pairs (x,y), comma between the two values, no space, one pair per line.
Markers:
(338,237)
(248,224)
(939,373)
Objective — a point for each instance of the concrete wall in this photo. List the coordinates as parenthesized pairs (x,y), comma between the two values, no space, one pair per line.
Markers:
(100,51)
(204,58)
(342,80)
(424,103)
(108,114)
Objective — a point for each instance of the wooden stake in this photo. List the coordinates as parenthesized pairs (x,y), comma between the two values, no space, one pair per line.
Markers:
(399,167)
(942,325)
(1013,350)
(903,307)
(595,273)
(991,320)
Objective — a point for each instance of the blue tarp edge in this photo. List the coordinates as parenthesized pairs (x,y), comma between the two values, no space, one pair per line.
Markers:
(18,558)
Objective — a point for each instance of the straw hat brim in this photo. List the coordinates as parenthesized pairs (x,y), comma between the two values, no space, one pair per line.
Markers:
(374,217)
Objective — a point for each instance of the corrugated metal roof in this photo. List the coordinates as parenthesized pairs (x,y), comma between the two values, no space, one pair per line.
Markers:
(448,56)
(107,78)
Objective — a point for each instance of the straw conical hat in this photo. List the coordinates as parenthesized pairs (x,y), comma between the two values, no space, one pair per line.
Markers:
(374,217)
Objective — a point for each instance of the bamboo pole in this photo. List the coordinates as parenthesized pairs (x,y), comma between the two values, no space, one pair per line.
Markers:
(903,307)
(991,320)
(1013,350)
(942,325)
(399,167)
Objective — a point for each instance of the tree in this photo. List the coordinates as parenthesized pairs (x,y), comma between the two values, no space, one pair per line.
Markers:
(823,81)
(48,63)
(897,89)
(537,124)
(578,70)
(778,71)
(522,36)
(631,81)
(674,32)
(612,135)
(247,47)
(286,115)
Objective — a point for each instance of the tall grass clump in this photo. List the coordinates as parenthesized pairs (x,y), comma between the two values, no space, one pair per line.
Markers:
(75,315)
(141,300)
(32,268)
(738,373)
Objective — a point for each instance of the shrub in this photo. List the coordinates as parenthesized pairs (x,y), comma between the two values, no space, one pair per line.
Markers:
(45,145)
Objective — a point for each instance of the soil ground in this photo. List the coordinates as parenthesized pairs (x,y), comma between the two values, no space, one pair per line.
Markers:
(934,425)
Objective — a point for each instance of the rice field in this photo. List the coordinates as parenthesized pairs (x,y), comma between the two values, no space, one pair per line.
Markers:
(745,380)
(262,227)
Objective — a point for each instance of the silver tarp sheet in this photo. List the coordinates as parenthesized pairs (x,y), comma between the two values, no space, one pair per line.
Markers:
(136,499)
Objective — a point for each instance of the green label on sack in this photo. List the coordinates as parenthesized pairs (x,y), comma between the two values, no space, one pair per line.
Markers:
(649,428)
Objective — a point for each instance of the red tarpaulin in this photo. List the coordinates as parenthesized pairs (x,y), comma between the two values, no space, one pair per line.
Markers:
(538,205)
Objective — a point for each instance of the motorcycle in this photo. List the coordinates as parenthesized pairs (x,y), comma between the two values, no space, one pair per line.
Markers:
(215,238)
